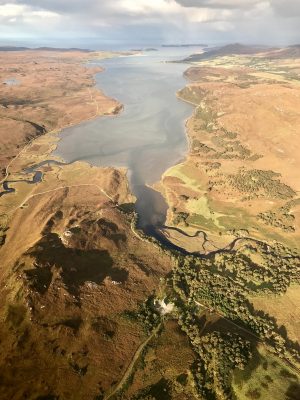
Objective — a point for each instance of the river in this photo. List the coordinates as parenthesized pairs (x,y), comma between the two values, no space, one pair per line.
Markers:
(148,136)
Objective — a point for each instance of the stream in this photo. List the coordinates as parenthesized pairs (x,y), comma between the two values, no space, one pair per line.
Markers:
(36,178)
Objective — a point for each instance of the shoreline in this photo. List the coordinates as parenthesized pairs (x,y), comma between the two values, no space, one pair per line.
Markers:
(58,128)
(184,135)
(119,107)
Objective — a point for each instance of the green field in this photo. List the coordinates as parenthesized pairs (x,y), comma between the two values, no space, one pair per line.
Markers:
(266,377)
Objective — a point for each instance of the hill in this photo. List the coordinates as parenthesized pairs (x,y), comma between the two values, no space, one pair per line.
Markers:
(228,50)
(57,49)
(288,52)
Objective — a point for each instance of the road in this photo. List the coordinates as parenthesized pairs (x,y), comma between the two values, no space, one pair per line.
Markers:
(131,365)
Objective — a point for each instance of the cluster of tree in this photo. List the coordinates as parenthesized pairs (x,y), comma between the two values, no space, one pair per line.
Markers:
(217,282)
(2,238)
(273,275)
(149,315)
(235,150)
(228,134)
(226,149)
(211,166)
(229,149)
(261,183)
(197,281)
(218,355)
(200,147)
(180,218)
(278,220)
(208,117)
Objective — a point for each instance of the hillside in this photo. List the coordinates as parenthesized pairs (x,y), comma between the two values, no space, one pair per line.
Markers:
(36,97)
(228,50)
(54,49)
(288,52)
(92,307)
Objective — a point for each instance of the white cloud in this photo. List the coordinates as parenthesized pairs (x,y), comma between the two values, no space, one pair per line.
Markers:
(24,20)
(146,6)
(219,4)
(171,9)
(182,20)
(11,12)
(286,8)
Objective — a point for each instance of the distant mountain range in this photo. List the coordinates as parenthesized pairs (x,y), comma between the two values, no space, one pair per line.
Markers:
(239,49)
(230,49)
(185,45)
(15,48)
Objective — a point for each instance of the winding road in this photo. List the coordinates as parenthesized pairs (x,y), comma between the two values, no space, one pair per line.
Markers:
(132,363)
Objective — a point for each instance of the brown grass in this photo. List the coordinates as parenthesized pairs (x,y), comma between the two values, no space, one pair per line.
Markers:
(285,309)
(55,89)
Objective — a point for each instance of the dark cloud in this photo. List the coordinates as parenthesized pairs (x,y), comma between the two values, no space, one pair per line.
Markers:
(220,4)
(272,21)
(286,8)
(67,7)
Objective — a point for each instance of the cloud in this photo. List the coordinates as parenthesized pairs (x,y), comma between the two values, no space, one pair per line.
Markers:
(154,20)
(15,13)
(220,4)
(286,8)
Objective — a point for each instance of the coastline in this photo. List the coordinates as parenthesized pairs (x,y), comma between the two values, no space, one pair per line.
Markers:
(201,192)
(64,112)
(27,156)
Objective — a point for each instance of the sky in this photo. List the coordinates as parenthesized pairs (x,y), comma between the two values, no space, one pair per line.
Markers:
(151,21)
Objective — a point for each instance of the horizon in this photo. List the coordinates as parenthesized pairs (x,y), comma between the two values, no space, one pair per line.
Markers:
(124,46)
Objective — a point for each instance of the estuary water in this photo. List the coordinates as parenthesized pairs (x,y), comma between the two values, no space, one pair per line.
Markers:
(148,136)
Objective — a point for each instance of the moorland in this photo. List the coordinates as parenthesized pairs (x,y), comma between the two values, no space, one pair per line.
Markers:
(93,308)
